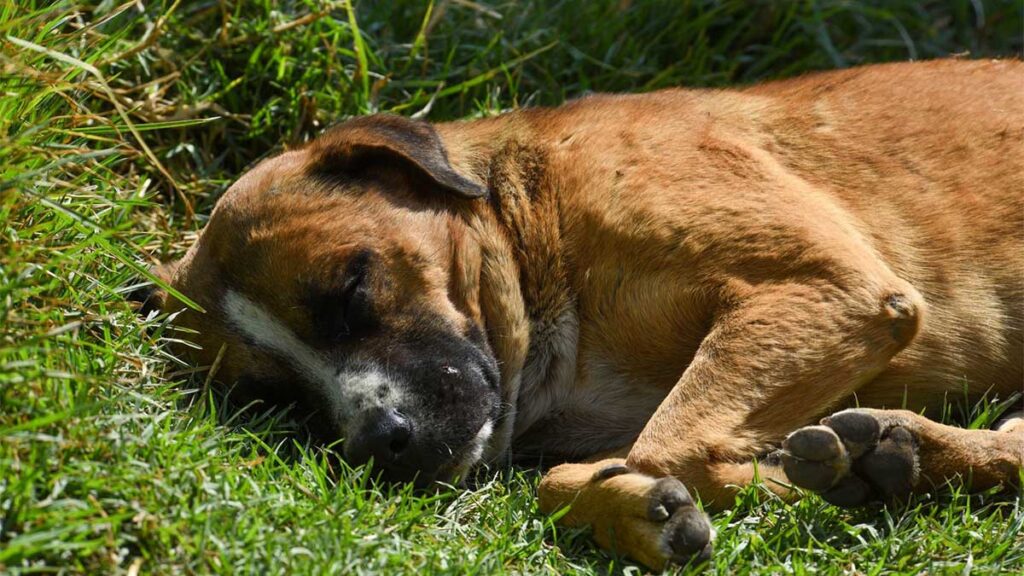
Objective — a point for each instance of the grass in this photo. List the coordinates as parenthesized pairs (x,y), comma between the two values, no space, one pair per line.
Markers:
(121,123)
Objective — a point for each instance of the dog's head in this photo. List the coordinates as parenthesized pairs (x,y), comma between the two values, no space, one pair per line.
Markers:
(342,277)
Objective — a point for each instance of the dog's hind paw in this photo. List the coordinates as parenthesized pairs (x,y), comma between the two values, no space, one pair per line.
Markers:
(852,458)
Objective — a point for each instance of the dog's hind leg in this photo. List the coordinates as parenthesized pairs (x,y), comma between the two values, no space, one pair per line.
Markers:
(778,360)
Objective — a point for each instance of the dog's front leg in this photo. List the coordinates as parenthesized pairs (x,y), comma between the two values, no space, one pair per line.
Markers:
(862,454)
(776,361)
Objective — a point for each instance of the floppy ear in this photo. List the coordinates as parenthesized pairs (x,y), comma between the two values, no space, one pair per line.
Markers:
(152,297)
(384,138)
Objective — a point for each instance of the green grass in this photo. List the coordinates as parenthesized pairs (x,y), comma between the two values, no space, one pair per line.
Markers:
(120,124)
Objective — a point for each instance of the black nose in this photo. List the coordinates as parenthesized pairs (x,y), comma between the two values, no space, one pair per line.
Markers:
(384,437)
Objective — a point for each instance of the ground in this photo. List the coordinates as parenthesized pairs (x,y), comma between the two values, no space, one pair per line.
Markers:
(121,123)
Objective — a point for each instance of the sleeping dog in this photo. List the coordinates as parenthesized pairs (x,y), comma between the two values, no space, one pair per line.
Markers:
(668,293)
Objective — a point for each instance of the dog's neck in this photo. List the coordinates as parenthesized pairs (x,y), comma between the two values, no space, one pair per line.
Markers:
(525,297)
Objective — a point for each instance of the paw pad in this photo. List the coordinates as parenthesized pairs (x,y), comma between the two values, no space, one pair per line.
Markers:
(859,431)
(687,533)
(851,459)
(667,496)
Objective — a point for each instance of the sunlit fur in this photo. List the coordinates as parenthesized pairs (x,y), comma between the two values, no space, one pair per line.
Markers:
(682,278)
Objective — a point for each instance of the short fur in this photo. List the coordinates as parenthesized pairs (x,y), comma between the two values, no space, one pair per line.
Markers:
(681,281)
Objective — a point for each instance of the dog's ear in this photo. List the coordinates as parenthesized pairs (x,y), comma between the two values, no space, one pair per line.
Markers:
(151,296)
(381,139)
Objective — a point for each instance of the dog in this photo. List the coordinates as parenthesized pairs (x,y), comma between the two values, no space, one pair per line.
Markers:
(666,294)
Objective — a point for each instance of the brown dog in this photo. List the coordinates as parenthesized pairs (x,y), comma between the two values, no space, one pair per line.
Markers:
(670,286)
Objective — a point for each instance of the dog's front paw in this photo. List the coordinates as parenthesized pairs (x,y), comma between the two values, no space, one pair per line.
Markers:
(686,532)
(852,458)
(652,520)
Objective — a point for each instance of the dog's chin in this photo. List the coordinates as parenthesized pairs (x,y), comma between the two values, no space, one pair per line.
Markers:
(463,461)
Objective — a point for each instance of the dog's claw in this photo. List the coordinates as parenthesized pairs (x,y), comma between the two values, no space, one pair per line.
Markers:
(658,513)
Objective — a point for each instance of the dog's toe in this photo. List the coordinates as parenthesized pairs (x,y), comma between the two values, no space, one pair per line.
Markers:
(816,443)
(852,459)
(667,496)
(814,458)
(810,475)
(687,532)
(858,430)
(892,466)
(688,535)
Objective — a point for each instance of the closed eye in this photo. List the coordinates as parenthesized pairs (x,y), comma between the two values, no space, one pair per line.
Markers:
(344,312)
(353,298)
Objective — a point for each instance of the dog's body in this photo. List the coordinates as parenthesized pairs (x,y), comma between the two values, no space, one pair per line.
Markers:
(683,279)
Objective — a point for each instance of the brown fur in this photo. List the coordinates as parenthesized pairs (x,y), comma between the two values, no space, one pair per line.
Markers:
(682,278)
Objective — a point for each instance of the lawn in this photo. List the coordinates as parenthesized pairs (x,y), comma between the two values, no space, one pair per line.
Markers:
(122,122)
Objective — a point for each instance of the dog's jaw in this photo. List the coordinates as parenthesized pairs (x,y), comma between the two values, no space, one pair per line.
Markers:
(471,455)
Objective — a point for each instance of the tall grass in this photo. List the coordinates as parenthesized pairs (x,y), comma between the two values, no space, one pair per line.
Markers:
(121,123)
